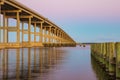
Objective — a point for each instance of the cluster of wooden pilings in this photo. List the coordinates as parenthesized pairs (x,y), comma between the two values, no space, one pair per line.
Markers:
(108,57)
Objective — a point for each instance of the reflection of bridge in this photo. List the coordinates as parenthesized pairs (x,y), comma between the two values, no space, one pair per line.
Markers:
(23,63)
(28,23)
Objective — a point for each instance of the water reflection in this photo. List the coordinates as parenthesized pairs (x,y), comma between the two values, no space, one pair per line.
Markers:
(28,63)
(100,71)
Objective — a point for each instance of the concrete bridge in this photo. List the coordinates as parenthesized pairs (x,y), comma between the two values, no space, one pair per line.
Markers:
(49,33)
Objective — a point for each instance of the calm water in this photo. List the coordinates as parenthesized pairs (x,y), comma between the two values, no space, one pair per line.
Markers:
(71,63)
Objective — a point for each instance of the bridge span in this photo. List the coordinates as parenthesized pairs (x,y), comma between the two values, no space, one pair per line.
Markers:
(45,32)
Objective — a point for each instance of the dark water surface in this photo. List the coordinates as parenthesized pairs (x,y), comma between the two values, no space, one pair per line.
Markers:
(70,63)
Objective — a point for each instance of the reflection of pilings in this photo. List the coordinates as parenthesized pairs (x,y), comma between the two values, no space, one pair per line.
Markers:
(105,55)
(100,72)
(53,56)
(29,63)
(46,58)
(22,64)
(7,58)
(5,64)
(21,67)
(18,64)
(41,60)
(34,59)
(118,61)
(49,57)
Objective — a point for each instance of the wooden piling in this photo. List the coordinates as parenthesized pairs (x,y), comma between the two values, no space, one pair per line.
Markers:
(117,46)
(104,53)
(111,59)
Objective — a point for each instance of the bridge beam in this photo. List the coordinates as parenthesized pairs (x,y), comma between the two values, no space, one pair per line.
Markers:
(11,11)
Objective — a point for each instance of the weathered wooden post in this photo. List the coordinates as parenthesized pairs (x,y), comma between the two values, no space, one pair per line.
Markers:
(117,46)
(92,49)
(107,57)
(111,59)
(101,53)
(104,55)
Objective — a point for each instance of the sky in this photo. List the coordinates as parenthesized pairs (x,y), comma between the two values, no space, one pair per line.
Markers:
(83,20)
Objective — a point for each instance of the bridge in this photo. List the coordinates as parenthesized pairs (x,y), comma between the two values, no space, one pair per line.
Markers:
(19,19)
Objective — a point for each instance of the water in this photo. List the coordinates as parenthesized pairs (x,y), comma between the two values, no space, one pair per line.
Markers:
(66,63)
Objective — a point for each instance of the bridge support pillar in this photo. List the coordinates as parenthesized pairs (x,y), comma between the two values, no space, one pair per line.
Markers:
(29,31)
(57,35)
(41,33)
(52,36)
(18,28)
(22,32)
(34,32)
(45,33)
(4,28)
(60,37)
(49,34)
(55,32)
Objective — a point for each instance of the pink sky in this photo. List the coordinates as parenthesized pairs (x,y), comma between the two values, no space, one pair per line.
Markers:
(77,16)
(75,7)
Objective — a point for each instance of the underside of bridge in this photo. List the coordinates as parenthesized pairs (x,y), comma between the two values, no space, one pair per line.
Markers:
(31,28)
